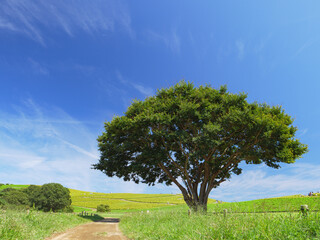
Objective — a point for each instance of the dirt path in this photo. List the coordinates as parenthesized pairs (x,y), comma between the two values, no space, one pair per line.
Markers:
(107,228)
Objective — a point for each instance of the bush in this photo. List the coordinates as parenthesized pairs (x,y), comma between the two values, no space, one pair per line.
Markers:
(68,209)
(53,196)
(103,208)
(33,193)
(14,197)
(2,202)
(9,189)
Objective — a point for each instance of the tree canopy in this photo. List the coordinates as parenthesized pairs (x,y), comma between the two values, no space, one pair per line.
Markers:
(195,137)
(14,197)
(52,196)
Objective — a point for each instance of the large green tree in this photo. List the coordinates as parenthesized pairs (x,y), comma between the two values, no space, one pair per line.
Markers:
(195,137)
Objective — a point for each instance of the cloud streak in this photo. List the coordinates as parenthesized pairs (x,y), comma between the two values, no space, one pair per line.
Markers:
(147,91)
(240,48)
(259,183)
(171,40)
(45,144)
(35,18)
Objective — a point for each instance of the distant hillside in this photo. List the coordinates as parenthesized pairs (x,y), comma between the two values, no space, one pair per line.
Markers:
(125,200)
(118,200)
(279,204)
(131,201)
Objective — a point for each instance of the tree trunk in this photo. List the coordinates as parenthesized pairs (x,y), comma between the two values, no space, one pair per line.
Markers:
(199,208)
(196,205)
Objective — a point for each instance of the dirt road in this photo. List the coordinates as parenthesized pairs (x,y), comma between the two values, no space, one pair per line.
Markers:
(107,228)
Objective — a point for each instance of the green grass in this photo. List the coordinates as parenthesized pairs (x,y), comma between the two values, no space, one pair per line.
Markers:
(125,201)
(168,218)
(77,209)
(36,225)
(267,205)
(178,225)
(13,186)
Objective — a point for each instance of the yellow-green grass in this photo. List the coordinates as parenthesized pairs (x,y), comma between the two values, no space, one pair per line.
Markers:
(268,205)
(175,225)
(125,200)
(23,225)
(13,186)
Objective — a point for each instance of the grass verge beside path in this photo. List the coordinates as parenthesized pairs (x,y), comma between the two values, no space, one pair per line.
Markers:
(178,225)
(35,225)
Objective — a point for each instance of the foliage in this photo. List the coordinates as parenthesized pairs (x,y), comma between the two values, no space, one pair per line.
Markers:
(68,209)
(36,225)
(199,135)
(33,193)
(103,208)
(53,196)
(14,196)
(177,225)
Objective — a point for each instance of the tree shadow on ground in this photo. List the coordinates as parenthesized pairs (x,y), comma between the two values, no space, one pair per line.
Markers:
(94,218)
(110,220)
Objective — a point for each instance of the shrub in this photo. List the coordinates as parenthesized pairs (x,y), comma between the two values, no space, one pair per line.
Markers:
(14,197)
(9,189)
(2,202)
(33,193)
(53,196)
(103,208)
(68,209)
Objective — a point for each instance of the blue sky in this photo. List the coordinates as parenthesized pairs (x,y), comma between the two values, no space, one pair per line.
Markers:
(66,67)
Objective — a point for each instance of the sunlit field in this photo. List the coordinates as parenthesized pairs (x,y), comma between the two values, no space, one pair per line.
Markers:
(178,225)
(125,200)
(23,225)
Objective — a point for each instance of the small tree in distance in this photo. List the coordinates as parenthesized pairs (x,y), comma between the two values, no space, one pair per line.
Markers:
(195,138)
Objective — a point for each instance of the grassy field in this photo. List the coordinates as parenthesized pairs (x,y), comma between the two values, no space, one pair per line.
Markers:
(269,204)
(125,201)
(88,201)
(20,225)
(168,218)
(178,225)
(174,222)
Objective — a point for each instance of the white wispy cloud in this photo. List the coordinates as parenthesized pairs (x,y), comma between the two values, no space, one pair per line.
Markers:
(240,48)
(171,39)
(142,89)
(4,24)
(304,46)
(42,144)
(147,91)
(34,18)
(38,68)
(302,132)
(261,45)
(298,178)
